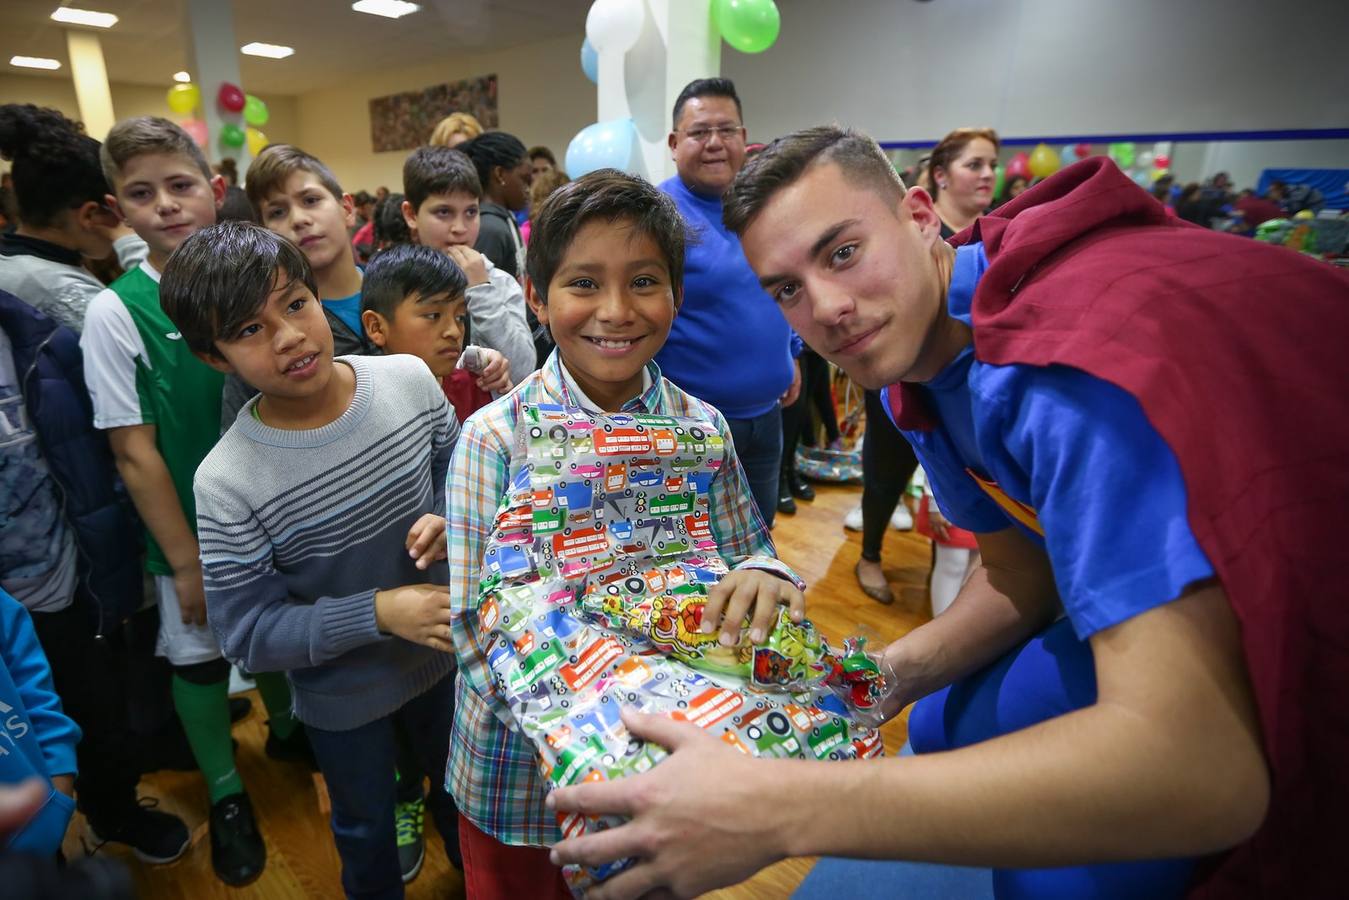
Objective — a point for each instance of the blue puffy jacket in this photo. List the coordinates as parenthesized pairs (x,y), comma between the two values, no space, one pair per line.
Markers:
(37,739)
(50,368)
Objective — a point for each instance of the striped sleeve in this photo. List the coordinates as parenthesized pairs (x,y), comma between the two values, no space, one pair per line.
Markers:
(248,606)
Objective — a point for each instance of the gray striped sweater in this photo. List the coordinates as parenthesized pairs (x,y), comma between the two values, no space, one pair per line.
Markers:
(298,529)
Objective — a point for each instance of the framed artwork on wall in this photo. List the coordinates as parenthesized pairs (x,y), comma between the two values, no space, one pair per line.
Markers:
(405,121)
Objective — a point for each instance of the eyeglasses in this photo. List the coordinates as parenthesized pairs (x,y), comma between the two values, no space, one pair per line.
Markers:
(725,132)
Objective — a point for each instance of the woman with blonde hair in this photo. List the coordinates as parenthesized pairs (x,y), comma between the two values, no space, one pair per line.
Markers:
(454,129)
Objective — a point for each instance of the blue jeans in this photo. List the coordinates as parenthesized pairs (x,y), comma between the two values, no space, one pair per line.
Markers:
(758,446)
(358,766)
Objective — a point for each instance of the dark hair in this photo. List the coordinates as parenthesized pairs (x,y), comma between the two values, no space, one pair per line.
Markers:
(492,149)
(784,161)
(399,272)
(236,207)
(707,87)
(229,170)
(610,195)
(390,226)
(542,152)
(221,276)
(56,165)
(144,135)
(949,149)
(362,198)
(271,169)
(438,170)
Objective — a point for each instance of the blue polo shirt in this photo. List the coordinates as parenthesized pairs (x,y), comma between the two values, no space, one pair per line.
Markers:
(1081,454)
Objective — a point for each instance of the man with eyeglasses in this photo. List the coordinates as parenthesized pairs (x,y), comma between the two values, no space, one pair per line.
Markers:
(729,346)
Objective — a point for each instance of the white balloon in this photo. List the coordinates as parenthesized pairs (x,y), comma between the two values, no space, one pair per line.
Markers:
(615,24)
(1144,160)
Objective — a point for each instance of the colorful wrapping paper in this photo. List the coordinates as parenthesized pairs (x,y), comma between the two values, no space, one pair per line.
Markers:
(591,594)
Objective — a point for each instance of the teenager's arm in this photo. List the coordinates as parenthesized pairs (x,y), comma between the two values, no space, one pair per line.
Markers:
(1166,763)
(151,487)
(1006,600)
(496,320)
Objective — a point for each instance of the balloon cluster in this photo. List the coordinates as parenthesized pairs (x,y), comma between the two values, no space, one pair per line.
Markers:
(1144,167)
(183,99)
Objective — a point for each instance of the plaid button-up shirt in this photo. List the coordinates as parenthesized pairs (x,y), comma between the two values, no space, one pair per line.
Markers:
(493,770)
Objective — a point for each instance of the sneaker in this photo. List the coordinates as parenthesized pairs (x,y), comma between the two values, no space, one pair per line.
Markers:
(155,837)
(800,490)
(238,853)
(853,520)
(411,840)
(901,519)
(240,707)
(786,505)
(293,749)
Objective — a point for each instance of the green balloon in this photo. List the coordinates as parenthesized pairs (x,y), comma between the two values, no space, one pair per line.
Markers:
(750,26)
(231,135)
(255,111)
(999,180)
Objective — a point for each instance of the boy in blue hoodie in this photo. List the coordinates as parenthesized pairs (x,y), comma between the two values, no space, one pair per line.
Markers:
(36,738)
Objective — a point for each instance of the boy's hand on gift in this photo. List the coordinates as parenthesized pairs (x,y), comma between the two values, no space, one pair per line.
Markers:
(471,261)
(419,613)
(744,591)
(191,594)
(426,540)
(495,376)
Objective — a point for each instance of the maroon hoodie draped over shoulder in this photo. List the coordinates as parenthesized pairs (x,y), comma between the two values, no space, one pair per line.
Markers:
(1238,353)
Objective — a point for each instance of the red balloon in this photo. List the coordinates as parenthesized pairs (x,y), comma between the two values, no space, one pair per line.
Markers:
(1018,166)
(1161,161)
(231,97)
(1082,150)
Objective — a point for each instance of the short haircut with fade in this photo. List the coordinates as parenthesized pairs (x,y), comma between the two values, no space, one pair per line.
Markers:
(268,173)
(786,159)
(707,87)
(613,196)
(438,170)
(143,135)
(221,276)
(406,269)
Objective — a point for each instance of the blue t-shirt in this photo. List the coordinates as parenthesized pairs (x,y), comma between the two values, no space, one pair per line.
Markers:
(1078,451)
(348,309)
(729,345)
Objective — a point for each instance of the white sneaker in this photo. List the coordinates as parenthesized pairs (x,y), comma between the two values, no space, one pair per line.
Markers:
(853,520)
(901,519)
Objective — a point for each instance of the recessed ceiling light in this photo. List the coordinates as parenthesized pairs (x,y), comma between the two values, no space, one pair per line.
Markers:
(84,17)
(34,62)
(271,51)
(389,9)
(182,77)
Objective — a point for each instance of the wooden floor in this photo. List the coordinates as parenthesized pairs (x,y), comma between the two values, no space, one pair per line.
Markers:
(302,862)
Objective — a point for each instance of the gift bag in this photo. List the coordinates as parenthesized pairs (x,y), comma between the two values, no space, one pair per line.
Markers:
(592,589)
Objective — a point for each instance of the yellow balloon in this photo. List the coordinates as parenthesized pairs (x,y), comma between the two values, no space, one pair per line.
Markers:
(1043,161)
(256,141)
(183,98)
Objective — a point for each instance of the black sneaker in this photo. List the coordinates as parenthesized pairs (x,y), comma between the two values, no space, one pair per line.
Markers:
(786,505)
(408,823)
(240,707)
(293,749)
(800,490)
(238,853)
(155,837)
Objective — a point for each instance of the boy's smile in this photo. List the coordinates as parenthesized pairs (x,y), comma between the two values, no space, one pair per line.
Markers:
(610,306)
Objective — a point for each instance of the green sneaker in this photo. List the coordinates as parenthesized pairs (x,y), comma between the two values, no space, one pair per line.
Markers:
(411,843)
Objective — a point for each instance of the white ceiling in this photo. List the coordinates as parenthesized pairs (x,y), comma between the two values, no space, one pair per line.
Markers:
(332,43)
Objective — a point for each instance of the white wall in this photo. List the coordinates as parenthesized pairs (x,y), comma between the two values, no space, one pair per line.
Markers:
(903,70)
(543,98)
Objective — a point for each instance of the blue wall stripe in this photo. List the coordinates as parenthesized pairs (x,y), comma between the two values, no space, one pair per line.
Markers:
(1300,134)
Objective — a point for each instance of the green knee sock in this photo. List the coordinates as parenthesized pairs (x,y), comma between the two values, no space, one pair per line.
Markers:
(275,691)
(205,711)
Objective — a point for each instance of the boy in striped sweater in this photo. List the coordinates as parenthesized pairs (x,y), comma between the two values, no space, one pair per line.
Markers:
(322,548)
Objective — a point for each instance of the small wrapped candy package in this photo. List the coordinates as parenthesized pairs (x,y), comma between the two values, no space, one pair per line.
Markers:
(592,592)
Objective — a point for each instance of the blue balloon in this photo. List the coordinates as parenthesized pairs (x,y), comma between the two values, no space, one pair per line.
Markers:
(590,62)
(1142,179)
(604,145)
(1068,155)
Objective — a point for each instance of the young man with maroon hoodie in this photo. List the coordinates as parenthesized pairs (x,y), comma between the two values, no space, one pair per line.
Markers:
(1141,688)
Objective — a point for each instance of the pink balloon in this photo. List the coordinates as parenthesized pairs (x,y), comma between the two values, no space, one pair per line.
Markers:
(1018,166)
(196,129)
(1082,150)
(1161,161)
(231,97)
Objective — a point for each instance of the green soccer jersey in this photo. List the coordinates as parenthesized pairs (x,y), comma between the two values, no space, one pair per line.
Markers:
(141,372)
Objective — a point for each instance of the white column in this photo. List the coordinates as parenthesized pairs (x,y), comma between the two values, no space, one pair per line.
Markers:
(213,59)
(91,83)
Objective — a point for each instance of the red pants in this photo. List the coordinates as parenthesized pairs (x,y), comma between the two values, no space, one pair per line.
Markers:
(497,871)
